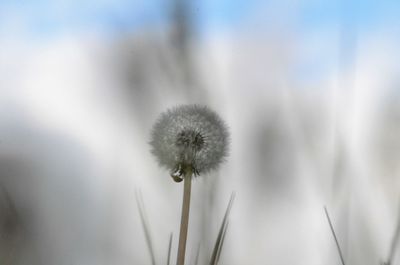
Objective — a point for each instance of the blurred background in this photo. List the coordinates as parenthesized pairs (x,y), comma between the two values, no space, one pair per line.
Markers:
(309,89)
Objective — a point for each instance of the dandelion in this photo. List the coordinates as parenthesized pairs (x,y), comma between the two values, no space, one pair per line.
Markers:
(189,136)
(189,140)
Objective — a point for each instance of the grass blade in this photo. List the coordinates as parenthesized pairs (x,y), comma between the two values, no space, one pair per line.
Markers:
(222,241)
(218,244)
(169,249)
(394,244)
(334,235)
(145,224)
(196,261)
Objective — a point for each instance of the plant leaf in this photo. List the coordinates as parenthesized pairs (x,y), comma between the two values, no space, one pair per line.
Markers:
(221,234)
(169,249)
(145,224)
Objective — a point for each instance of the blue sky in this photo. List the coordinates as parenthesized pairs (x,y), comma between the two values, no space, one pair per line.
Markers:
(316,23)
(49,17)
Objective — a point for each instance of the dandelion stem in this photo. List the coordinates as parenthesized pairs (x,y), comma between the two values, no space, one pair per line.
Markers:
(185,215)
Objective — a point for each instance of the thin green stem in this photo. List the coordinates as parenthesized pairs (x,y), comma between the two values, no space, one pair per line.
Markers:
(394,244)
(169,249)
(334,236)
(146,226)
(222,232)
(185,215)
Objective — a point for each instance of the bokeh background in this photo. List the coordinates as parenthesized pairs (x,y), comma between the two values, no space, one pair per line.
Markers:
(309,89)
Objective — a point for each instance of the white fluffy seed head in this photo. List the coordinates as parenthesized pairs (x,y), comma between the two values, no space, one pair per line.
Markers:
(190,135)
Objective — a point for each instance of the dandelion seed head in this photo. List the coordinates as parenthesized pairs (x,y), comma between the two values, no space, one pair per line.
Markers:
(190,135)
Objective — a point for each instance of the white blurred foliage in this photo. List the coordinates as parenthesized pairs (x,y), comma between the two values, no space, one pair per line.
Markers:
(68,88)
